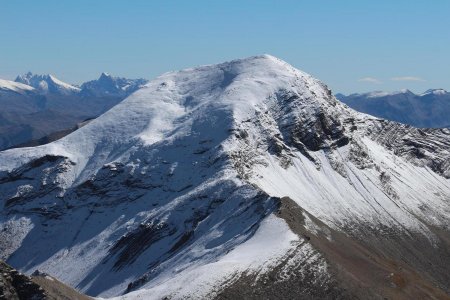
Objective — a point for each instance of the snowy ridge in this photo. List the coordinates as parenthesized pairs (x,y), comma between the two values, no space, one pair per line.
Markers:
(430,109)
(187,173)
(270,242)
(377,94)
(7,85)
(435,92)
(47,84)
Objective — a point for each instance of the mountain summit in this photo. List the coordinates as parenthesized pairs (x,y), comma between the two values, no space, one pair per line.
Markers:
(245,179)
(47,84)
(15,87)
(107,86)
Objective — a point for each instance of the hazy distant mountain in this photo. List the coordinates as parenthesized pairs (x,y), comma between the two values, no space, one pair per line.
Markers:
(430,109)
(15,87)
(107,85)
(52,136)
(241,180)
(37,108)
(47,84)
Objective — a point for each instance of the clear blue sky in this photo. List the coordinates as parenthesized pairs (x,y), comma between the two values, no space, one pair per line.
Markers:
(352,45)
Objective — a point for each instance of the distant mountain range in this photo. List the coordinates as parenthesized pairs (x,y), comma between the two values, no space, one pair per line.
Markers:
(107,85)
(428,110)
(35,107)
(46,84)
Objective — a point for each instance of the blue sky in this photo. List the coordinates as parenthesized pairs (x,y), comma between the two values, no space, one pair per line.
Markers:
(353,46)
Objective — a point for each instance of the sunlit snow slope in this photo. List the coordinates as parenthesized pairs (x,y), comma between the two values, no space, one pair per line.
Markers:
(242,177)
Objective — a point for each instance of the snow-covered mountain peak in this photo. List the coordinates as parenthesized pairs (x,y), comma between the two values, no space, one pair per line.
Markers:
(237,91)
(47,84)
(110,86)
(405,91)
(438,92)
(379,94)
(108,79)
(180,187)
(17,87)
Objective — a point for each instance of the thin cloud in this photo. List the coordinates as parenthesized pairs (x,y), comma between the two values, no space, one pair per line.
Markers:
(370,80)
(407,78)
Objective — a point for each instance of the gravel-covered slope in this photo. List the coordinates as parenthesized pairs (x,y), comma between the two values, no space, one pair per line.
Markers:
(178,192)
(14,285)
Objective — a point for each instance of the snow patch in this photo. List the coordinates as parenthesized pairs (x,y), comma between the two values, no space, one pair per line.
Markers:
(270,243)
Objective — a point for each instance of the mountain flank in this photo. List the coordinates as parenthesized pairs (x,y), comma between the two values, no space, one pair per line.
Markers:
(246,178)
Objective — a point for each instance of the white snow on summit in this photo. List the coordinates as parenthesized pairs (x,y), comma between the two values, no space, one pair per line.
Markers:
(47,84)
(379,94)
(17,87)
(435,92)
(174,190)
(107,85)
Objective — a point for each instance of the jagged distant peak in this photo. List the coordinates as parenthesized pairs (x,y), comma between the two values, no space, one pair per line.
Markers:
(24,77)
(47,83)
(28,77)
(105,76)
(118,78)
(108,85)
(18,87)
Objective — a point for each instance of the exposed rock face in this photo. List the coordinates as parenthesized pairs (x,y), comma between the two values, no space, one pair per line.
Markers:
(423,147)
(40,286)
(14,285)
(47,170)
(245,178)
